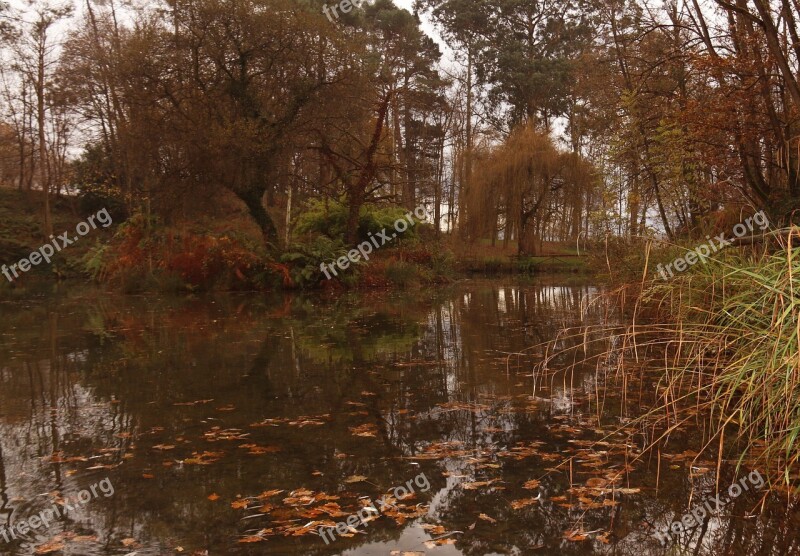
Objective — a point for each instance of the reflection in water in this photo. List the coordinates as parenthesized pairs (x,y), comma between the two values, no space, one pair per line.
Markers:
(197,409)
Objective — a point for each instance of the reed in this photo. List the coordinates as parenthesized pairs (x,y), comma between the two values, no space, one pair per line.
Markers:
(717,347)
(736,331)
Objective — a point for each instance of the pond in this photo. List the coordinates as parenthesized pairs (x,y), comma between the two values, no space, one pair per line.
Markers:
(242,423)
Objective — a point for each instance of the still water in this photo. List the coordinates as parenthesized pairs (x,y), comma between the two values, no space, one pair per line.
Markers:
(239,424)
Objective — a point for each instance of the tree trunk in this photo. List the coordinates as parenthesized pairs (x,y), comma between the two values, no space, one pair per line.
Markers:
(44,181)
(252,198)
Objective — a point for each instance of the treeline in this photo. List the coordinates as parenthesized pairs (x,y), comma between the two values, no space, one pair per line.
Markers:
(548,121)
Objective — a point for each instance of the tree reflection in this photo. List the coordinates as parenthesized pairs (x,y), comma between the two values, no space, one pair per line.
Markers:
(137,387)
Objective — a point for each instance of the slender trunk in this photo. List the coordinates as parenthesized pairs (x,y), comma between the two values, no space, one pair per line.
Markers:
(44,182)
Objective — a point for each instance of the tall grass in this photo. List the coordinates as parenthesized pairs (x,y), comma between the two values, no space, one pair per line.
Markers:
(735,327)
(717,348)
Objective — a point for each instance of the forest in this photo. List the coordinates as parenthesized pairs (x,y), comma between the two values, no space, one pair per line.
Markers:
(546,121)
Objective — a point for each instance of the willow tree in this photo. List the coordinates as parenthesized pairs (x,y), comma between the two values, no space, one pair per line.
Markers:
(522,185)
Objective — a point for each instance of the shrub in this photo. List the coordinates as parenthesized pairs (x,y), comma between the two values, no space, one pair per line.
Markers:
(401,273)
(144,255)
(330,220)
(305,258)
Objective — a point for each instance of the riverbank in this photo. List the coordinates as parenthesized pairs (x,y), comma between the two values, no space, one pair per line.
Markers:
(138,255)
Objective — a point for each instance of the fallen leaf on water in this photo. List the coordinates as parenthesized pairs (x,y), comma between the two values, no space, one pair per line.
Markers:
(367,429)
(51,546)
(206,458)
(253,538)
(109,466)
(433,529)
(261,450)
(213,497)
(575,536)
(438,542)
(270,493)
(128,542)
(219,434)
(531,485)
(355,479)
(478,484)
(239,504)
(519,504)
(59,457)
(487,518)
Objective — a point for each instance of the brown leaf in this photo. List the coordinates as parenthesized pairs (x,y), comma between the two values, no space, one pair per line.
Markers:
(575,536)
(51,546)
(533,484)
(254,538)
(366,430)
(519,504)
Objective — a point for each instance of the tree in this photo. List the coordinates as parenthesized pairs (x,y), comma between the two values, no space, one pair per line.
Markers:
(35,60)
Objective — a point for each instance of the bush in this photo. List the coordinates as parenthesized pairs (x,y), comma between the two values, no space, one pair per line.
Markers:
(401,273)
(144,256)
(304,259)
(330,220)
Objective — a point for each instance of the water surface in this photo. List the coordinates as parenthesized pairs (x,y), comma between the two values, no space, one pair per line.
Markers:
(249,417)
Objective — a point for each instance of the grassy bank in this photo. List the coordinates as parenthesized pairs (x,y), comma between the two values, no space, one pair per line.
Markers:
(716,350)
(735,324)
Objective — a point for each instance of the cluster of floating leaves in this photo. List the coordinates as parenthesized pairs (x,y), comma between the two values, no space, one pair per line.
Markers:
(304,512)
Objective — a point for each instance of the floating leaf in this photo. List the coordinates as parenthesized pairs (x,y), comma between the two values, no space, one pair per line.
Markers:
(51,546)
(519,504)
(367,430)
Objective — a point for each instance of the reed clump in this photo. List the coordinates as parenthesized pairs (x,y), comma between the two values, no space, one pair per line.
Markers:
(731,349)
